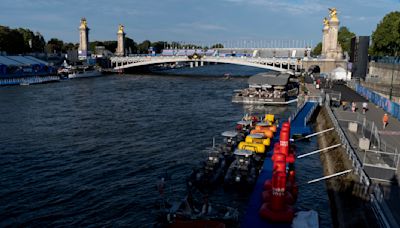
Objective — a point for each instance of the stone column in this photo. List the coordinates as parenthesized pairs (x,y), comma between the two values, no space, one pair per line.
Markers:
(325,38)
(333,39)
(121,41)
(83,39)
(334,50)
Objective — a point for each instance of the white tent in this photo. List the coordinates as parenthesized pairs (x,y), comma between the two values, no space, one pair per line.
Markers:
(340,73)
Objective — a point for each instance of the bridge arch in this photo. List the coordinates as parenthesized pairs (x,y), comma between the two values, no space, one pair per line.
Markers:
(280,65)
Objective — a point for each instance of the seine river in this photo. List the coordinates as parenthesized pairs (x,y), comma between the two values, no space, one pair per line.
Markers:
(89,152)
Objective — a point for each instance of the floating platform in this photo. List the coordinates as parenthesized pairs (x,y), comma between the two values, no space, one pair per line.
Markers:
(252,217)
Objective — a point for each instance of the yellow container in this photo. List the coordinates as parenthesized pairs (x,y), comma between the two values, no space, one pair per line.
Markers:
(269,118)
(265,142)
(255,147)
(267,133)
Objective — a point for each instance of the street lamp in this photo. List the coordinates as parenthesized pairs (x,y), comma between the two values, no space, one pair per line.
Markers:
(391,82)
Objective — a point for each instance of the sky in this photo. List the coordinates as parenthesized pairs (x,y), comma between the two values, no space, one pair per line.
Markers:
(200,21)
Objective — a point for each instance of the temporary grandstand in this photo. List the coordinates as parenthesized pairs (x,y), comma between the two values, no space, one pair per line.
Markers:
(18,66)
(240,52)
(188,52)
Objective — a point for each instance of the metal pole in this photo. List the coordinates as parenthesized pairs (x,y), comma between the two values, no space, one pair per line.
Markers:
(391,83)
(330,176)
(317,151)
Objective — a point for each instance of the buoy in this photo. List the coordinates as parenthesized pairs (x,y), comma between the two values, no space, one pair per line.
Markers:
(286,124)
(278,157)
(277,209)
(277,148)
(280,166)
(268,184)
(285,215)
(284,142)
(267,196)
(292,187)
(290,158)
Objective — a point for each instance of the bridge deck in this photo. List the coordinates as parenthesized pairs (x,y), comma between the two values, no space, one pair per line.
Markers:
(252,218)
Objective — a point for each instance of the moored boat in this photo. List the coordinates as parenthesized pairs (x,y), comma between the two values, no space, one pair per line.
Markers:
(218,160)
(242,172)
(84,72)
(269,88)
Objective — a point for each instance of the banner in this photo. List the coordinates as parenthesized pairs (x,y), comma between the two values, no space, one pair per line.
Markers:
(391,107)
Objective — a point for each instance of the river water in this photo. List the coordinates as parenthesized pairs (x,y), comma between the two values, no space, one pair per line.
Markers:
(89,152)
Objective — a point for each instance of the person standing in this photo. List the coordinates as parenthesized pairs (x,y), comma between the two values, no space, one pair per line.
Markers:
(353,106)
(385,120)
(365,107)
(344,105)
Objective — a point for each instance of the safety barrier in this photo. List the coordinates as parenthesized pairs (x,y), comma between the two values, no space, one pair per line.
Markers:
(391,107)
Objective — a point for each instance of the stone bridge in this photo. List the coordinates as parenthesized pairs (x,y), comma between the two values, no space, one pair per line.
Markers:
(288,65)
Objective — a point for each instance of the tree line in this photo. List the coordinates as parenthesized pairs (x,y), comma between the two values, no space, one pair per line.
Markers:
(21,41)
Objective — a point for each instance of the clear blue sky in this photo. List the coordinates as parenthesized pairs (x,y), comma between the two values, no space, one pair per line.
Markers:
(192,20)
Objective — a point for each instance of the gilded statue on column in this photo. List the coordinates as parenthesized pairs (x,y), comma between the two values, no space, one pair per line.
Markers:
(326,22)
(83,23)
(333,14)
(121,29)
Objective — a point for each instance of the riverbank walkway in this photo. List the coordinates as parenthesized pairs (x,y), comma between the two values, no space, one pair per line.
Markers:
(380,162)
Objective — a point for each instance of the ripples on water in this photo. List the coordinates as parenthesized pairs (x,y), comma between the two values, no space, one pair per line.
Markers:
(89,152)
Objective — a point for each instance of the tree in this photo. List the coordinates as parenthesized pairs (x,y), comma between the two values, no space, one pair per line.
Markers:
(54,45)
(344,38)
(110,45)
(386,37)
(70,46)
(144,47)
(317,50)
(131,45)
(92,45)
(38,43)
(11,41)
(159,46)
(217,46)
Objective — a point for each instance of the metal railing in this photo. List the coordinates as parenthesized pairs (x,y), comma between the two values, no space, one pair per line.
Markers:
(348,148)
(299,107)
(368,130)
(376,197)
(309,114)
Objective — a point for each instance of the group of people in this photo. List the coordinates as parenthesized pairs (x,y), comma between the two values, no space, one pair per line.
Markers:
(353,106)
(269,93)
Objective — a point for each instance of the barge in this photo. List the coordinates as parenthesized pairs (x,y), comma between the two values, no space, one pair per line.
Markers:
(269,88)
